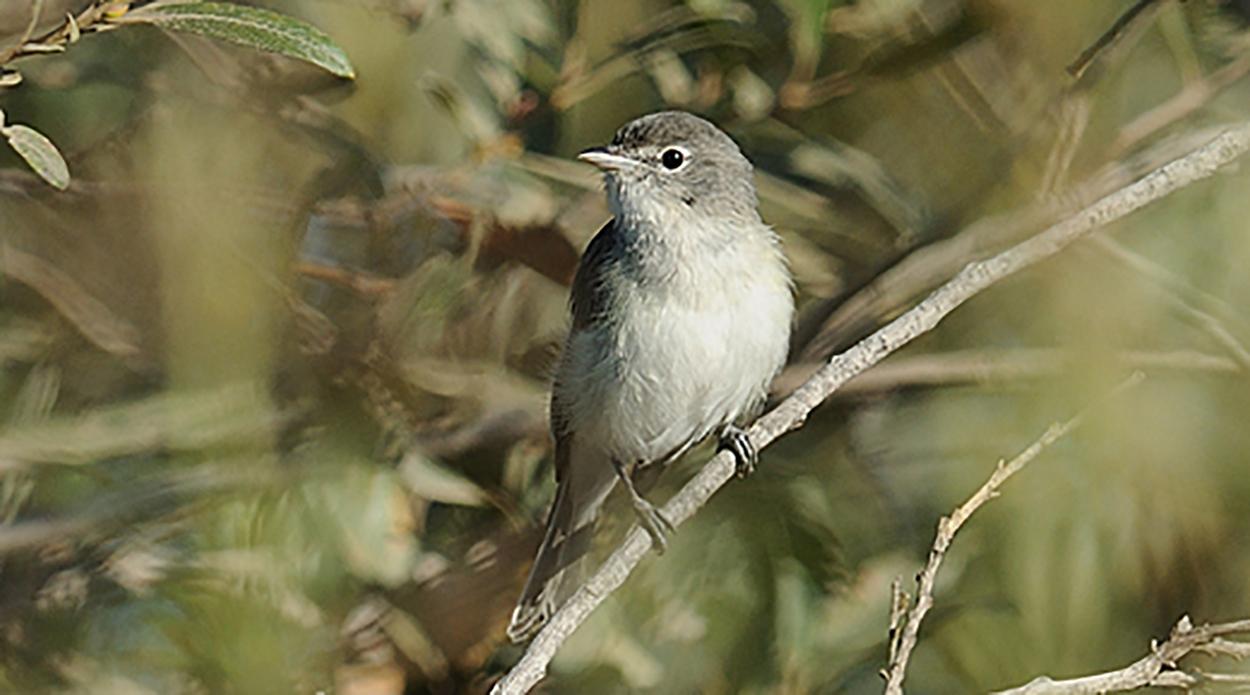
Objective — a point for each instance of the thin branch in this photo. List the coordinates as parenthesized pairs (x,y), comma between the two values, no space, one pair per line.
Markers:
(1158,668)
(1108,38)
(1167,279)
(36,9)
(898,613)
(360,282)
(1072,112)
(96,18)
(900,653)
(1012,368)
(1192,97)
(791,413)
(1183,297)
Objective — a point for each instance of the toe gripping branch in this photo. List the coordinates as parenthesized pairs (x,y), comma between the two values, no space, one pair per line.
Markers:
(650,518)
(735,440)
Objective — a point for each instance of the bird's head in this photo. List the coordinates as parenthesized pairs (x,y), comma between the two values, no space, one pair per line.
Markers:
(673,165)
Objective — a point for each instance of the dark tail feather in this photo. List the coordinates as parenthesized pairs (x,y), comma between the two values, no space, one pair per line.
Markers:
(553,575)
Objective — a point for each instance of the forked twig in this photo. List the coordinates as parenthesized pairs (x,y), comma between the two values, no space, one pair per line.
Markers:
(901,646)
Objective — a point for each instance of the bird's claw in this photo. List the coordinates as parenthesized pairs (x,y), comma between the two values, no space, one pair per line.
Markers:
(735,440)
(653,521)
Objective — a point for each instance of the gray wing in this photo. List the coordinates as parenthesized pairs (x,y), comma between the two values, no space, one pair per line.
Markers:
(568,528)
(588,301)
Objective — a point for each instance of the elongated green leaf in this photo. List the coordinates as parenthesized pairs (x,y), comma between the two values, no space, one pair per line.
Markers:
(176,421)
(251,27)
(39,153)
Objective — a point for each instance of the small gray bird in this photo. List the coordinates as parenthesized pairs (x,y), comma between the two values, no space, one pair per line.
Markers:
(682,306)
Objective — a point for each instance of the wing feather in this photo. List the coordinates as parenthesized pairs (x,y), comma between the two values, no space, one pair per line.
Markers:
(588,302)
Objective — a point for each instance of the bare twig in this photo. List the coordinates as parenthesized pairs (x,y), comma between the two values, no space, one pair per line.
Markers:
(898,613)
(1158,668)
(791,413)
(1073,112)
(896,668)
(1188,300)
(1011,368)
(93,19)
(1167,279)
(1192,97)
(36,9)
(362,283)
(1108,37)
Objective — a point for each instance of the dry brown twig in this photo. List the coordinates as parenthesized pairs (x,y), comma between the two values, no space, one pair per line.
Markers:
(792,412)
(36,9)
(1132,16)
(95,18)
(905,616)
(1159,667)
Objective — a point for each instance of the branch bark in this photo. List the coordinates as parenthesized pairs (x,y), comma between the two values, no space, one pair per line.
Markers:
(792,412)
(1158,668)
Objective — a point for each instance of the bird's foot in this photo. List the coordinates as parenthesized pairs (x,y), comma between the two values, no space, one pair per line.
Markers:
(736,441)
(653,521)
(528,619)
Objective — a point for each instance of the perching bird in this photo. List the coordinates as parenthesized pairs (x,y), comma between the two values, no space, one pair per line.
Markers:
(681,306)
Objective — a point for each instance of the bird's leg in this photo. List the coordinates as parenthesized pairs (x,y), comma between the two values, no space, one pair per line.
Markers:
(735,439)
(649,517)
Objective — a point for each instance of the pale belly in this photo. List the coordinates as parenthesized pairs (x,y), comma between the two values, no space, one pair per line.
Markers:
(674,371)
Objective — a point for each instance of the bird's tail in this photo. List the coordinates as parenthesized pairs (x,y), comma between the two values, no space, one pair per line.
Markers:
(555,575)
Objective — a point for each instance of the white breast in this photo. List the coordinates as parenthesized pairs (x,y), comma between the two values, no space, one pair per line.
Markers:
(686,355)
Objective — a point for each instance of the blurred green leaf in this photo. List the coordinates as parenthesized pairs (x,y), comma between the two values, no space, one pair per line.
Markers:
(40,154)
(373,523)
(172,421)
(251,27)
(236,540)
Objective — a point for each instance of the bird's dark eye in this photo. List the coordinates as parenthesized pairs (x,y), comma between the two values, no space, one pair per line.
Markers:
(672,158)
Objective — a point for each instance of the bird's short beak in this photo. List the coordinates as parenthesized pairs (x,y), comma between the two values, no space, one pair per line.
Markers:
(602,158)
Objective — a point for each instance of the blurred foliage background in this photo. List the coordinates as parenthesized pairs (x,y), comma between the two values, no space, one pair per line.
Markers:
(273,368)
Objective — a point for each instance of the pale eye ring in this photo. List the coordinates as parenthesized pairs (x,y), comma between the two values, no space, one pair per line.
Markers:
(672,158)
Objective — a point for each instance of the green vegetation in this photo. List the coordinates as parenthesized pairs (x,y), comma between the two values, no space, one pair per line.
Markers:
(274,345)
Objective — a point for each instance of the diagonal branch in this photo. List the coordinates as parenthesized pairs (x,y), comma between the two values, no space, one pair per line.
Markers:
(792,412)
(916,274)
(905,628)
